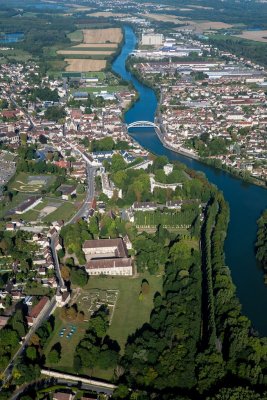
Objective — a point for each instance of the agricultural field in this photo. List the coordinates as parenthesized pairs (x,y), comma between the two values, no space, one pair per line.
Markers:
(197,25)
(206,25)
(165,18)
(84,52)
(109,35)
(257,36)
(84,65)
(107,14)
(92,54)
(95,45)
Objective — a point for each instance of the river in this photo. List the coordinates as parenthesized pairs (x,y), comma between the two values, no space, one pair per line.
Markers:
(246,201)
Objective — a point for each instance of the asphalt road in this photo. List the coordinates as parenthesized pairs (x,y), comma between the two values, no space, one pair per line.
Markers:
(24,112)
(8,371)
(84,210)
(61,283)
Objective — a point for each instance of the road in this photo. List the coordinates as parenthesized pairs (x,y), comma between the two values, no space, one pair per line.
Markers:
(61,283)
(42,317)
(89,384)
(83,211)
(24,112)
(74,383)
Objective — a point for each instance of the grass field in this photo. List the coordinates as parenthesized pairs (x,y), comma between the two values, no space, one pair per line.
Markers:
(130,312)
(76,36)
(85,65)
(100,75)
(65,212)
(68,345)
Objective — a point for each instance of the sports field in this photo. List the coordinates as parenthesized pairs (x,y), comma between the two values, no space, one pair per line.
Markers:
(30,183)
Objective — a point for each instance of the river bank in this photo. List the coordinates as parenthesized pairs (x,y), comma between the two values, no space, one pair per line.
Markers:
(246,201)
(187,153)
(183,152)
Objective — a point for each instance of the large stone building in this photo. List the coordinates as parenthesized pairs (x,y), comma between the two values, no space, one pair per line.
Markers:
(107,257)
(152,39)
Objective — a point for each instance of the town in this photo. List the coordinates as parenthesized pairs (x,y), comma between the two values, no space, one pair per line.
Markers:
(107,249)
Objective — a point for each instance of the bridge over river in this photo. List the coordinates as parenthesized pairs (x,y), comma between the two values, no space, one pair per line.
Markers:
(142,124)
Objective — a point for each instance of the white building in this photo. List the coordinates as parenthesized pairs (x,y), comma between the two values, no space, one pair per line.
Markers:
(107,257)
(114,267)
(152,39)
(168,168)
(28,204)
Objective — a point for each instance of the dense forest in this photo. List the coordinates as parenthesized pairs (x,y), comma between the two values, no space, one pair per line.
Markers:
(261,243)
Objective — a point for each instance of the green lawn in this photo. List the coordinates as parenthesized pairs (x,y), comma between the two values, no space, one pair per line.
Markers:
(31,215)
(131,312)
(68,345)
(100,75)
(169,219)
(65,212)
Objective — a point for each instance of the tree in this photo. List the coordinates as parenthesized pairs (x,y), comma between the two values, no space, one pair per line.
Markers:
(117,163)
(65,273)
(121,392)
(54,356)
(55,113)
(43,139)
(107,359)
(31,353)
(78,276)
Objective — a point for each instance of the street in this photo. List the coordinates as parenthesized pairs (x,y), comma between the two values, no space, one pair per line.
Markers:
(42,317)
(83,211)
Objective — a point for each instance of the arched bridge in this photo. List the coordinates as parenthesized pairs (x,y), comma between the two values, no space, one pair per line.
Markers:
(142,124)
